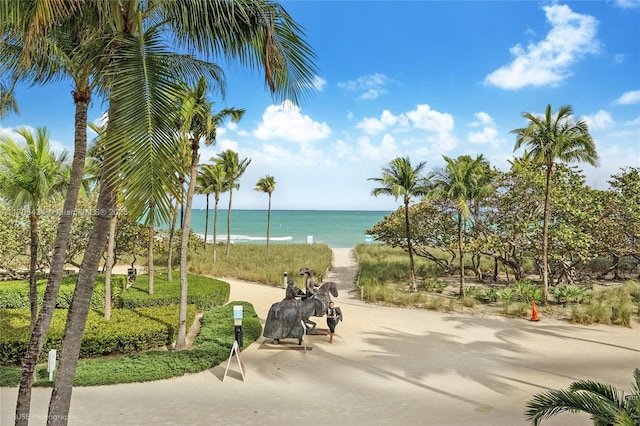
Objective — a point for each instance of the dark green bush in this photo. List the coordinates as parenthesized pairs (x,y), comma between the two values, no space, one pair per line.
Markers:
(15,294)
(128,330)
(203,292)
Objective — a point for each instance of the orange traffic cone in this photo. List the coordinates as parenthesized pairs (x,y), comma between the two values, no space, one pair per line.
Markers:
(534,311)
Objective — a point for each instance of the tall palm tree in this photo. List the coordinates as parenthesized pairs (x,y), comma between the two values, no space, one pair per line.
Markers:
(31,174)
(201,125)
(258,33)
(234,168)
(37,48)
(204,187)
(218,179)
(401,179)
(267,184)
(605,404)
(460,182)
(549,139)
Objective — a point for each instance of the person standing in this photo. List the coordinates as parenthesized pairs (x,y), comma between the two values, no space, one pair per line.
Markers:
(334,314)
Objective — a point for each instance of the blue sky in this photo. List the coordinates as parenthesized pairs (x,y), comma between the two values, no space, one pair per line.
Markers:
(420,79)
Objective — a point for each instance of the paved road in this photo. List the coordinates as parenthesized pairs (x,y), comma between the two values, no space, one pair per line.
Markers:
(386,366)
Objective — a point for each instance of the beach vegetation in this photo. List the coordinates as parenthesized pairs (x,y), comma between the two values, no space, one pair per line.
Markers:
(551,139)
(402,180)
(250,262)
(462,184)
(384,280)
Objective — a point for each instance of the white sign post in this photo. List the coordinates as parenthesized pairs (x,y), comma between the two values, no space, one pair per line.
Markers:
(51,365)
(304,327)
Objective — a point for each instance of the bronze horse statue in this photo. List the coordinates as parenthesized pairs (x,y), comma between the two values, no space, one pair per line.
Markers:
(285,318)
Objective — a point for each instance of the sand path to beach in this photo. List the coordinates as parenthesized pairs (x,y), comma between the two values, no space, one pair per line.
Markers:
(386,366)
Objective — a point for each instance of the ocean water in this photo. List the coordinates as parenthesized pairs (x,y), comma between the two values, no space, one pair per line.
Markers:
(337,229)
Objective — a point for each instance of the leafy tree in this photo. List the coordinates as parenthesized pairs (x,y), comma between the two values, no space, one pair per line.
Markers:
(267,184)
(433,232)
(30,175)
(234,168)
(553,138)
(401,179)
(606,404)
(461,182)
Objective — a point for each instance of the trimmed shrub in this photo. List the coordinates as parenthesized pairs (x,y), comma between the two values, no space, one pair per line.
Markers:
(204,292)
(128,330)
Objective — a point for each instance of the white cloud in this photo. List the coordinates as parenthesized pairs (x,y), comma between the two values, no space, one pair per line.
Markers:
(285,121)
(627,4)
(483,119)
(374,126)
(599,120)
(425,118)
(318,83)
(488,134)
(382,153)
(634,122)
(628,98)
(548,62)
(369,86)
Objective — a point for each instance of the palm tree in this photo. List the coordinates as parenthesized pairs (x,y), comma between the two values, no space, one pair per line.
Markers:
(8,102)
(460,182)
(267,184)
(605,404)
(234,168)
(218,180)
(201,125)
(31,174)
(549,139)
(258,33)
(204,187)
(38,49)
(401,179)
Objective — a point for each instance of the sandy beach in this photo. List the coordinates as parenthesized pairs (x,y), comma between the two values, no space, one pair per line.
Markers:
(386,366)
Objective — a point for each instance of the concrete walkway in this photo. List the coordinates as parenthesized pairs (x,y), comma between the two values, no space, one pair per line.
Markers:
(386,366)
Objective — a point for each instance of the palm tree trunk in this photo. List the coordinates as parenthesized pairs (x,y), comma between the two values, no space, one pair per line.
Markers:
(215,228)
(181,341)
(38,334)
(79,309)
(172,232)
(461,252)
(150,249)
(229,222)
(33,266)
(111,246)
(206,223)
(268,222)
(545,236)
(412,267)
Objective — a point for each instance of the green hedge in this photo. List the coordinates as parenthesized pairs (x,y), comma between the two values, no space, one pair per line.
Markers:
(212,347)
(128,330)
(15,294)
(203,292)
